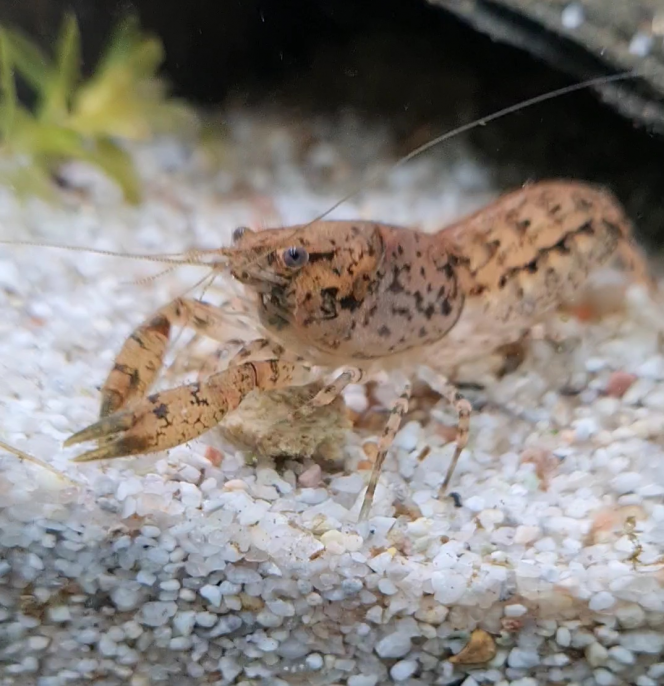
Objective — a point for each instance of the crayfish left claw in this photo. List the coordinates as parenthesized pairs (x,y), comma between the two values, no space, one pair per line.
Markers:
(173,417)
(107,432)
(121,421)
(122,447)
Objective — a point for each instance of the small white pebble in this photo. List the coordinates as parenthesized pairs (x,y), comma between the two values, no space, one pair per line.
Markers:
(656,671)
(179,643)
(393,645)
(572,16)
(556,660)
(601,601)
(86,666)
(526,534)
(641,44)
(184,622)
(127,487)
(266,643)
(356,399)
(387,587)
(596,654)
(490,518)
(59,614)
(253,513)
(626,482)
(87,636)
(563,637)
(190,495)
(403,669)
(314,599)
(229,668)
(235,485)
(606,636)
(187,594)
(595,364)
(314,661)
(622,655)
(107,646)
(515,610)
(311,477)
(652,368)
(281,608)
(352,483)
(313,496)
(582,638)
(631,616)
(212,594)
(343,664)
(519,658)
(585,428)
(643,641)
(339,542)
(158,613)
(189,473)
(146,578)
(126,597)
(38,642)
(150,531)
(115,633)
(408,436)
(605,678)
(448,586)
(206,619)
(475,503)
(362,680)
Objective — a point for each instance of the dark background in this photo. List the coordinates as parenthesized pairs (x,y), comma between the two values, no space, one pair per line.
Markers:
(403,61)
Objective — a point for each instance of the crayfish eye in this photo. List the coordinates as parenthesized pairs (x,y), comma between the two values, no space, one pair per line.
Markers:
(239,232)
(295,257)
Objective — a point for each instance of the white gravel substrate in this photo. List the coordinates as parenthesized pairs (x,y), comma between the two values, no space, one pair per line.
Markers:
(177,569)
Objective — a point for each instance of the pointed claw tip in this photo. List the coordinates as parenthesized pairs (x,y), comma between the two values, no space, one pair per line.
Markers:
(83,458)
(102,453)
(111,402)
(72,440)
(106,408)
(87,434)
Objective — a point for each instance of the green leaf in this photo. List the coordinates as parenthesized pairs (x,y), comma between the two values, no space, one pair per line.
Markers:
(49,144)
(39,138)
(118,165)
(32,64)
(29,181)
(7,87)
(145,58)
(139,53)
(59,91)
(124,99)
(122,41)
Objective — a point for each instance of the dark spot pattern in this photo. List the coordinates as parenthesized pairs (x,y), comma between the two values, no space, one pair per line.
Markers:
(320,257)
(350,303)
(161,411)
(561,247)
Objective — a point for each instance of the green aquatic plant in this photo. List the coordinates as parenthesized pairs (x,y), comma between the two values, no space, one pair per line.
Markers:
(76,119)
